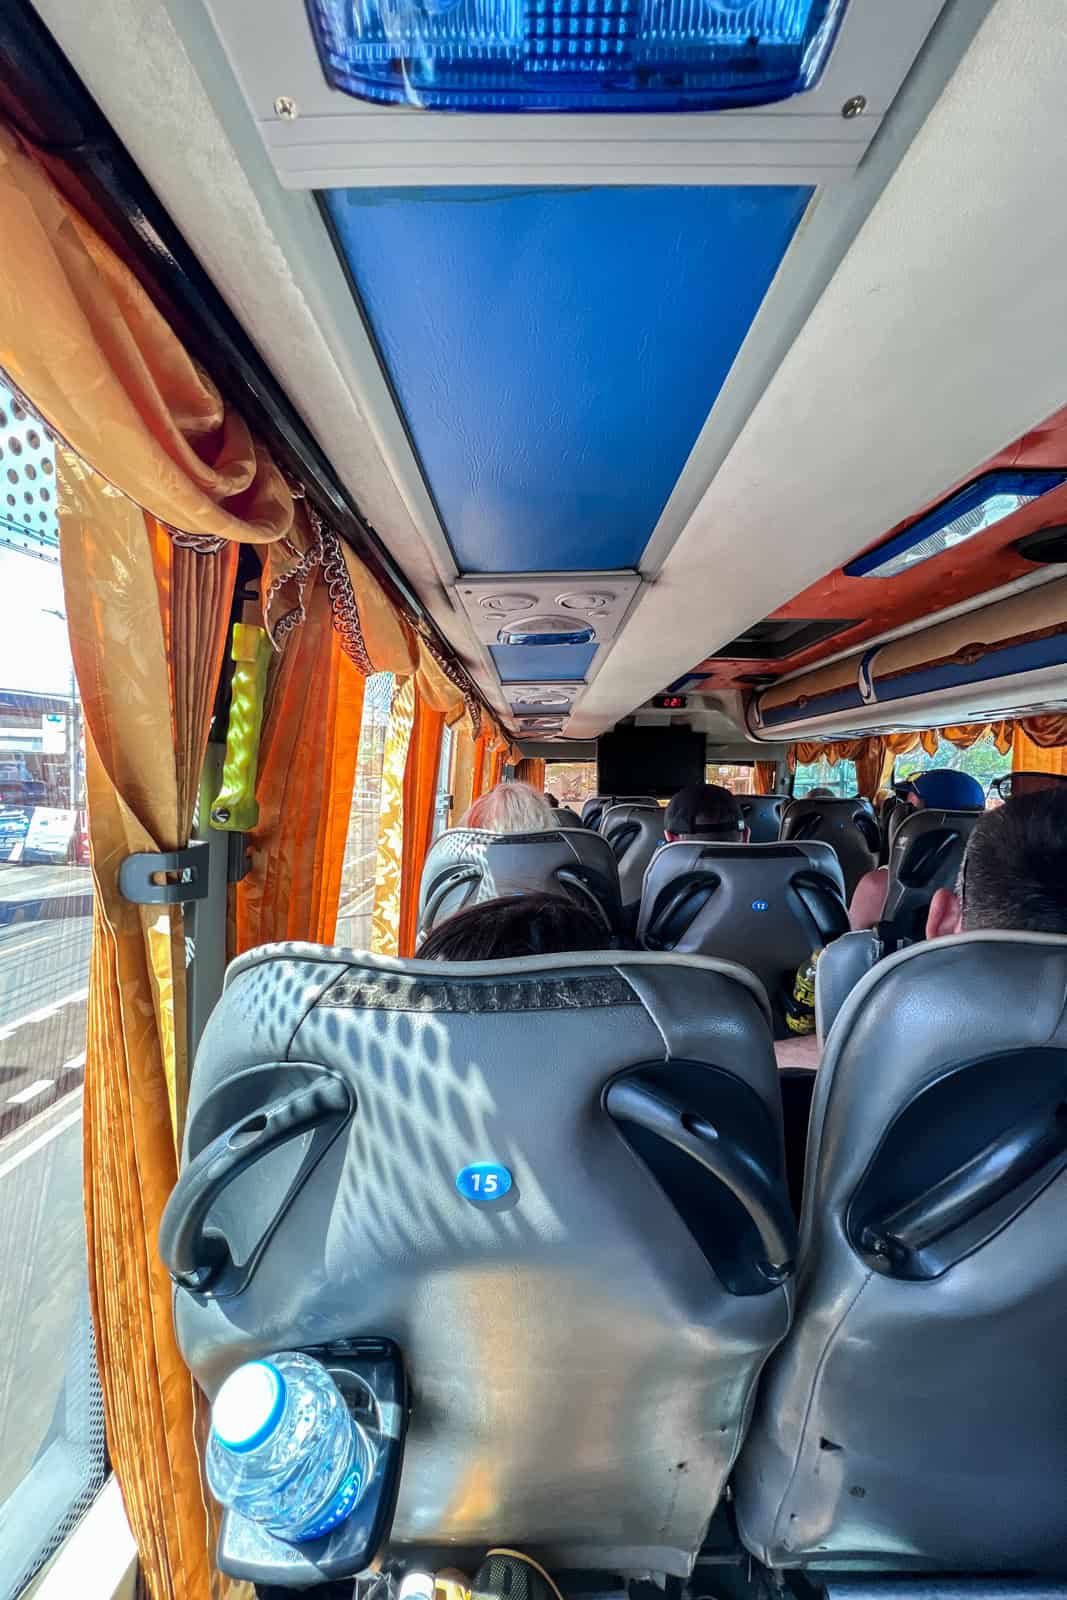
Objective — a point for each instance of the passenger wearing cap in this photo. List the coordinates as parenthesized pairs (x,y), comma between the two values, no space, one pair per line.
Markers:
(939,790)
(705,811)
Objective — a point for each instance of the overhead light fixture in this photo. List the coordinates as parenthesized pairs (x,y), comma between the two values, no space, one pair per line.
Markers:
(546,631)
(977,506)
(574,55)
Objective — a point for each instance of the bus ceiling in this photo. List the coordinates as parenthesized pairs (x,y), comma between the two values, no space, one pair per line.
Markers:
(623,403)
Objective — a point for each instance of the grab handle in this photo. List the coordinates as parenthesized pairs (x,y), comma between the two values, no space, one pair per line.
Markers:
(195,1258)
(1005,1164)
(756,1190)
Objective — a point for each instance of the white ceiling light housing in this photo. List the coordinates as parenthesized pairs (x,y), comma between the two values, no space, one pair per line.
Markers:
(558,603)
(319,138)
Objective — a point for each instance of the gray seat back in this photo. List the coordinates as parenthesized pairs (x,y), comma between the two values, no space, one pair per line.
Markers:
(566,818)
(588,1347)
(634,834)
(763,816)
(465,866)
(848,825)
(767,906)
(926,855)
(594,808)
(916,1416)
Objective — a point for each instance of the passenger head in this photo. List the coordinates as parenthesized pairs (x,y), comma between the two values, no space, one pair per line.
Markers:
(510,808)
(516,925)
(553,802)
(943,790)
(1014,874)
(705,811)
(820,793)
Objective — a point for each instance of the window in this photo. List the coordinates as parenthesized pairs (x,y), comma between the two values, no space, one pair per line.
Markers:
(737,776)
(572,782)
(52,1456)
(840,779)
(443,802)
(982,761)
(361,850)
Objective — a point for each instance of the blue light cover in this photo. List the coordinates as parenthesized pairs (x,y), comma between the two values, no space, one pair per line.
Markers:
(574,55)
(975,507)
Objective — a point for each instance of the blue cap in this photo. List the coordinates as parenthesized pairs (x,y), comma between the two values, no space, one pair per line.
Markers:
(945,790)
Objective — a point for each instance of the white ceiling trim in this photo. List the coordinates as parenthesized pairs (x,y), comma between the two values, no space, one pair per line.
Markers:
(942,337)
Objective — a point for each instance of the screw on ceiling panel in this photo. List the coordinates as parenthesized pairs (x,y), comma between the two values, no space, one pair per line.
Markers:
(854,107)
(285,106)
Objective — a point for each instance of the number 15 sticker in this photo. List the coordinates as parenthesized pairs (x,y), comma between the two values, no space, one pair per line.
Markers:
(483,1180)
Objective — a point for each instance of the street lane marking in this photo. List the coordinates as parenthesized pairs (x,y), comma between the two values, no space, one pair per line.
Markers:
(31,1092)
(43,1013)
(39,1143)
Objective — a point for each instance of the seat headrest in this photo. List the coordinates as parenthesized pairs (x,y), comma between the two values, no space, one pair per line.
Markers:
(779,857)
(466,866)
(763,815)
(594,808)
(841,966)
(926,855)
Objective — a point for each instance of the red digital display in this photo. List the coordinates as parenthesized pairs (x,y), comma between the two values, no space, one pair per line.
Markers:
(670,702)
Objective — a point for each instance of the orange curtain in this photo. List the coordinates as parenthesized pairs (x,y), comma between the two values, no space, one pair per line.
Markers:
(531,770)
(147,655)
(765,774)
(464,751)
(1044,731)
(1029,756)
(420,793)
(497,760)
(480,767)
(307,769)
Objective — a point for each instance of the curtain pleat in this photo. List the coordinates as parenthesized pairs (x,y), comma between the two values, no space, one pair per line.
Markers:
(765,774)
(480,780)
(388,872)
(307,770)
(146,651)
(420,788)
(464,748)
(531,770)
(1029,756)
(1044,731)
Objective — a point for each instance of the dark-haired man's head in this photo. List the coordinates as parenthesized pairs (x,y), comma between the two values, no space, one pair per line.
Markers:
(1014,874)
(515,925)
(705,811)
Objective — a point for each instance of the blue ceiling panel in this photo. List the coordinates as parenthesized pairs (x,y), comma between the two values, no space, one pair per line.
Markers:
(555,352)
(543,663)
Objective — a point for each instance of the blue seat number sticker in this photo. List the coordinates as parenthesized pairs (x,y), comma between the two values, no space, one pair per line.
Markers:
(761,905)
(482,1181)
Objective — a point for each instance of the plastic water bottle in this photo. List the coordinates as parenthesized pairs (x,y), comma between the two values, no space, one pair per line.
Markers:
(284,1450)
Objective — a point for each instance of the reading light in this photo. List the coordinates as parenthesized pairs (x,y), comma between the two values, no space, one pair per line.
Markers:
(975,507)
(574,55)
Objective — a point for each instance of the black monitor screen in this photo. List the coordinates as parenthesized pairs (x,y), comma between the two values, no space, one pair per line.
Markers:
(656,761)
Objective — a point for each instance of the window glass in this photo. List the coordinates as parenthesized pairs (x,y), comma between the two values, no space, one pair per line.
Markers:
(443,801)
(572,782)
(840,779)
(737,776)
(52,1456)
(983,761)
(361,850)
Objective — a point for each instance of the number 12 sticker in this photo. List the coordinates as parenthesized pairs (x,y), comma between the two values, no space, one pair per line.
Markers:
(483,1180)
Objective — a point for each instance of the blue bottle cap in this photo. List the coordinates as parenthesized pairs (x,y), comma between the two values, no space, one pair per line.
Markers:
(249,1406)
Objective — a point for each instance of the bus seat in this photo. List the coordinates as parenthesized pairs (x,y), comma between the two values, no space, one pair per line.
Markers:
(842,965)
(583,1352)
(635,833)
(763,816)
(767,906)
(926,855)
(566,818)
(594,808)
(848,825)
(465,866)
(916,1417)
